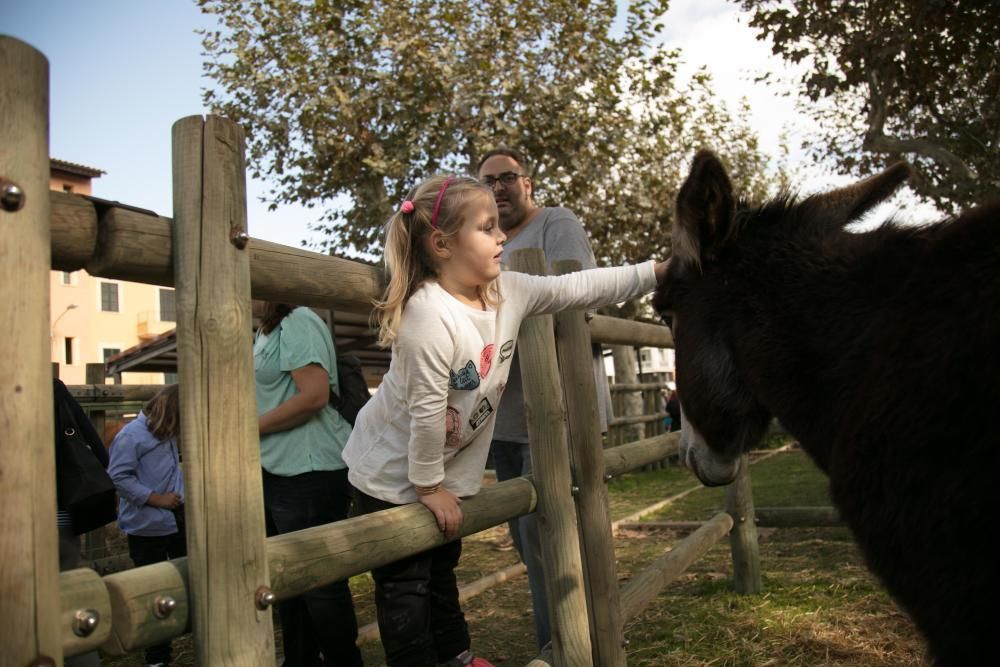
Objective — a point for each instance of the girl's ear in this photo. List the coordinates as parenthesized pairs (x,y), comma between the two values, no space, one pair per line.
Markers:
(439,246)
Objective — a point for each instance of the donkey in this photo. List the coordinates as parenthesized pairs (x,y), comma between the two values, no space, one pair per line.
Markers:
(878,351)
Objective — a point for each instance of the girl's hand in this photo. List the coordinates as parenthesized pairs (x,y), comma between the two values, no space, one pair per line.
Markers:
(445,506)
(660,270)
(168,501)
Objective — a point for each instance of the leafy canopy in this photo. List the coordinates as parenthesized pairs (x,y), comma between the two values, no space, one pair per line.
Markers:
(918,79)
(359,99)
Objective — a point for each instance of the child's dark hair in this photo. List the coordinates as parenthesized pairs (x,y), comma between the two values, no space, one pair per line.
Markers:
(407,256)
(163,413)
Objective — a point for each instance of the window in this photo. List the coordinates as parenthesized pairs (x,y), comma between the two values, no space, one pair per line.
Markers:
(109,352)
(67,278)
(170,378)
(68,351)
(168,305)
(67,187)
(109,297)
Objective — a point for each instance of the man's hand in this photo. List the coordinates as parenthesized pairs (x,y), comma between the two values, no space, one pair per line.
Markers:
(445,506)
(168,501)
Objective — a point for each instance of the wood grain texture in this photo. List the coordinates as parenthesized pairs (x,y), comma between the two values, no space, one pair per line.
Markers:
(645,586)
(743,539)
(557,521)
(29,614)
(225,510)
(576,368)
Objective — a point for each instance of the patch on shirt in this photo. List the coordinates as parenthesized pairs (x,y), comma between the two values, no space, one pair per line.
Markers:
(467,378)
(453,428)
(480,414)
(506,350)
(486,360)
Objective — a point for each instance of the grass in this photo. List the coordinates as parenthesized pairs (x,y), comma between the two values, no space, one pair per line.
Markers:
(819,605)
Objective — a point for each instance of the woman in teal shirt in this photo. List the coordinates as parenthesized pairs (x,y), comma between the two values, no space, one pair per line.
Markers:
(305,478)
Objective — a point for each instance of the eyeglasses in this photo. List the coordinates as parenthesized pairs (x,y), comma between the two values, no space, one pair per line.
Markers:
(506,179)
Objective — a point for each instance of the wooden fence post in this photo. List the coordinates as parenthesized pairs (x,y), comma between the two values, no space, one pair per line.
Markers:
(576,366)
(225,509)
(560,544)
(743,538)
(29,565)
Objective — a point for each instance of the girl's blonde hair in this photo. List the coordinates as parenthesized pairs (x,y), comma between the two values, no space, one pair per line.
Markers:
(407,257)
(163,414)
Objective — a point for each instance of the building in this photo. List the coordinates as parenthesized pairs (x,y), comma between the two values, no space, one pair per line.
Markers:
(654,364)
(92,318)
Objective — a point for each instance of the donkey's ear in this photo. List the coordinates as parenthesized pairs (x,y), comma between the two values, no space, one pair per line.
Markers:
(704,213)
(845,205)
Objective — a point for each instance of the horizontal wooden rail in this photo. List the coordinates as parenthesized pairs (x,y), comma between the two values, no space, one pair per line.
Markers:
(297,562)
(797,517)
(637,419)
(634,455)
(636,386)
(313,557)
(766,517)
(116,241)
(616,331)
(686,526)
(645,586)
(113,393)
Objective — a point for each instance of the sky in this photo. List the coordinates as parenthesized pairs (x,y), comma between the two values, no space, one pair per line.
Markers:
(123,71)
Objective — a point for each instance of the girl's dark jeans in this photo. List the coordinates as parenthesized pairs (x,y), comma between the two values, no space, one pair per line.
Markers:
(146,550)
(419,616)
(321,621)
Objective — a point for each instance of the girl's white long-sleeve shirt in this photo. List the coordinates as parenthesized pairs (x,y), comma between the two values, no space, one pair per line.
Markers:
(431,420)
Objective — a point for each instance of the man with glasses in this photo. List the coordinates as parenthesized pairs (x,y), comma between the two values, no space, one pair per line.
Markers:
(558,232)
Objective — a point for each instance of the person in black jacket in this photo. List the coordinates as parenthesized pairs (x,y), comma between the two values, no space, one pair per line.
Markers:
(69,523)
(674,410)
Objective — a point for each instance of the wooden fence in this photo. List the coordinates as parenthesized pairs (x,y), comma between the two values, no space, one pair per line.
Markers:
(223,589)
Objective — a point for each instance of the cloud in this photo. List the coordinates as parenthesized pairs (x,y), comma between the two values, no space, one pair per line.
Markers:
(715,34)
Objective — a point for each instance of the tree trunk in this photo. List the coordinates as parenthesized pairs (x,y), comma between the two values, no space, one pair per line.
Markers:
(627,372)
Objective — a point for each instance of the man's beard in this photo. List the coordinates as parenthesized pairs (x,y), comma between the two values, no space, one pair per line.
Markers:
(511,217)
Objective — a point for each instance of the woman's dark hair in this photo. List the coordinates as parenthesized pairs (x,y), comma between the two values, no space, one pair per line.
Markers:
(273,314)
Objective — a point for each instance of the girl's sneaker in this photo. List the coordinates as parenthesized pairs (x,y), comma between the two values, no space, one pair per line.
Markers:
(466,659)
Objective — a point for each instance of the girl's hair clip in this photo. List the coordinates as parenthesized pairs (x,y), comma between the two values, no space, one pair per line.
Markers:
(407,207)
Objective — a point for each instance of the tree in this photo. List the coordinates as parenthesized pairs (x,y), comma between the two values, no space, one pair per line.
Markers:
(362,98)
(918,79)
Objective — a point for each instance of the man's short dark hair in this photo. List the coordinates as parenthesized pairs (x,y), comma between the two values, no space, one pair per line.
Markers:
(514,154)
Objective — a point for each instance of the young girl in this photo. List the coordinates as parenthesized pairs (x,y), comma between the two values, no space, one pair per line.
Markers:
(452,320)
(146,469)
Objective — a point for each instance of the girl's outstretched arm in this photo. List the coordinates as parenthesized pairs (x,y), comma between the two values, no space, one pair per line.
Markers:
(581,290)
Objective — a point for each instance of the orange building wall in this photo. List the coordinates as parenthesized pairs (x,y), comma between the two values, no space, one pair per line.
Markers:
(75,311)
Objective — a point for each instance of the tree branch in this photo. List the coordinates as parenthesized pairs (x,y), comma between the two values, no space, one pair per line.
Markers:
(878,142)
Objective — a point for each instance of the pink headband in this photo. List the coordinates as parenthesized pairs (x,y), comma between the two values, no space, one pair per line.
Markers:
(437,204)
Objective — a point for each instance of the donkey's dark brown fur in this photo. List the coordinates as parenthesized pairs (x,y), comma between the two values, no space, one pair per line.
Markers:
(880,352)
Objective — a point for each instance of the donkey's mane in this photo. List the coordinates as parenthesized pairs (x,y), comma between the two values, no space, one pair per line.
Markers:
(772,213)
